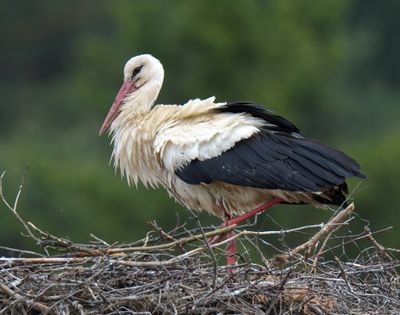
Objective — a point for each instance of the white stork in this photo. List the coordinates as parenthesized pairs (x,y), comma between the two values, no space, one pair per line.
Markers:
(229,159)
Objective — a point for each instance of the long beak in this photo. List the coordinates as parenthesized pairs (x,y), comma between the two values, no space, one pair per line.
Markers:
(127,87)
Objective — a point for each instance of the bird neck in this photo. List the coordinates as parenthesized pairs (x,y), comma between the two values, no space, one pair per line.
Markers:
(142,100)
(138,103)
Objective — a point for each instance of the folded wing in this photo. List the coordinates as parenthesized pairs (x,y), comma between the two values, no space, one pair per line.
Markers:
(261,150)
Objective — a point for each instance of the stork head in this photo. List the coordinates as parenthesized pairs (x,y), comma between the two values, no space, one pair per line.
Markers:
(143,77)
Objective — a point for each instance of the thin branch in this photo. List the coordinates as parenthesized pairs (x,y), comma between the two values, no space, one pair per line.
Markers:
(40,307)
(21,251)
(332,225)
(14,208)
(380,248)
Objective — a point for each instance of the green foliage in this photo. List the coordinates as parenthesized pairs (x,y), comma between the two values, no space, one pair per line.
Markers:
(330,66)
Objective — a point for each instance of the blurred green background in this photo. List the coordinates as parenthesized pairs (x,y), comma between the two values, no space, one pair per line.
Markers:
(332,67)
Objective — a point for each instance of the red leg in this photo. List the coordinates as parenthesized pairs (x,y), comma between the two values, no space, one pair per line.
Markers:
(231,248)
(253,212)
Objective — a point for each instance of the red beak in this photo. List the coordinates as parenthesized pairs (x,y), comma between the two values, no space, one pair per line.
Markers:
(127,87)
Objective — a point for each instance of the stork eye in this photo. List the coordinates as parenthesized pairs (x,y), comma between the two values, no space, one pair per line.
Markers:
(136,71)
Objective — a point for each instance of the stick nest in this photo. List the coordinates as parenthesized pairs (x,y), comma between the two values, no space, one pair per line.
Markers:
(178,272)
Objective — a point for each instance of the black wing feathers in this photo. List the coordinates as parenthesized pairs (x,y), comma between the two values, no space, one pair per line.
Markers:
(276,158)
(259,111)
(261,161)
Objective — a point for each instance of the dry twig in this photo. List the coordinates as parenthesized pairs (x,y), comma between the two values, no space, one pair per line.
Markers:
(149,276)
